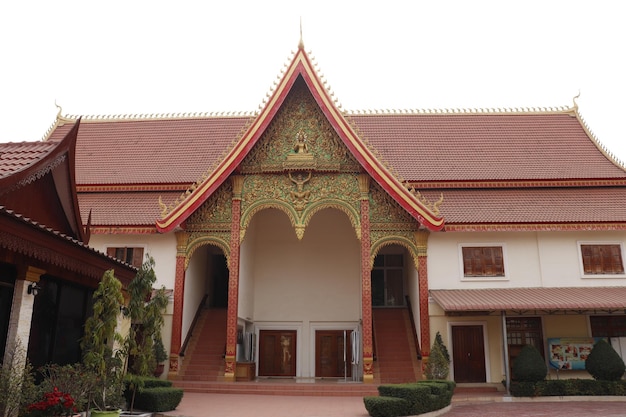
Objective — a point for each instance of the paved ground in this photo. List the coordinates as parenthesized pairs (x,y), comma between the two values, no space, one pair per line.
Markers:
(236,405)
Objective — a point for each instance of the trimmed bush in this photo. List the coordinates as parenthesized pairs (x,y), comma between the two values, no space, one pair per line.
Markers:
(603,362)
(386,406)
(529,366)
(419,397)
(568,387)
(158,399)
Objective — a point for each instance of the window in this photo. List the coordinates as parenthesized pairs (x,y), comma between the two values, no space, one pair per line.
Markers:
(483,261)
(608,326)
(522,331)
(388,280)
(132,256)
(602,259)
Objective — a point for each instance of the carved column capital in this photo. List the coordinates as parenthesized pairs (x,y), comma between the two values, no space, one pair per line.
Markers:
(421,242)
(364,186)
(237,181)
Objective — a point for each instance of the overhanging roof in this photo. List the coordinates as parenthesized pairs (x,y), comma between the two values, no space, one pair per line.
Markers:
(519,299)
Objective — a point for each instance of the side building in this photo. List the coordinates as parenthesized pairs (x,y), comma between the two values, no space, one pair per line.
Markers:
(319,240)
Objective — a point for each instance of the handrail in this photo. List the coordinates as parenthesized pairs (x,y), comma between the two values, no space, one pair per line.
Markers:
(183,348)
(417,342)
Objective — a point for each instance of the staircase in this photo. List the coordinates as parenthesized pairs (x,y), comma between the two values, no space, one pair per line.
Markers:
(204,359)
(396,352)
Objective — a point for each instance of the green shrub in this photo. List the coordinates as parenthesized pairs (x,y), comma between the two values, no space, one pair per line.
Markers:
(158,399)
(603,362)
(386,406)
(419,397)
(523,389)
(568,387)
(529,366)
(438,365)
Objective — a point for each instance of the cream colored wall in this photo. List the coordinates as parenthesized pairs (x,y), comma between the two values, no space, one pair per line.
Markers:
(304,285)
(532,259)
(247,260)
(195,287)
(162,247)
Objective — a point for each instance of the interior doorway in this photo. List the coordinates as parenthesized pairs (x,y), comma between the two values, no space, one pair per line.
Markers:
(333,354)
(277,353)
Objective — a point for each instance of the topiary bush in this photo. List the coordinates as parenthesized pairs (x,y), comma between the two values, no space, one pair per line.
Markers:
(416,398)
(158,399)
(529,366)
(603,362)
(438,365)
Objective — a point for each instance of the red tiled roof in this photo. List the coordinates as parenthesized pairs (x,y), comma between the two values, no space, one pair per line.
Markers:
(124,208)
(151,151)
(589,298)
(15,157)
(466,147)
(532,205)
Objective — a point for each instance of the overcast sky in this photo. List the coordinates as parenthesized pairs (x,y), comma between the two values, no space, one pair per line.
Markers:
(144,57)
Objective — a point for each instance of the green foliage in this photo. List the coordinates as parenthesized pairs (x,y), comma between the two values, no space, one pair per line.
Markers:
(418,398)
(73,379)
(145,309)
(438,365)
(99,357)
(386,406)
(529,366)
(17,382)
(158,399)
(603,362)
(568,387)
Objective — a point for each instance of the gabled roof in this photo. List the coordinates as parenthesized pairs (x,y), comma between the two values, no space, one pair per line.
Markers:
(301,67)
(37,179)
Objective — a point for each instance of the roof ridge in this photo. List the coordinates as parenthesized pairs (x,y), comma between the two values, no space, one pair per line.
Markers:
(457,111)
(596,141)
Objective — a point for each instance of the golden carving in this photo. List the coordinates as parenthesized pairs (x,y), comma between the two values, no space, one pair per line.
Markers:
(421,241)
(237,183)
(300,197)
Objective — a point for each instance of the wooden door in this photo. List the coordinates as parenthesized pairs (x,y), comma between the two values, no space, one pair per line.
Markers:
(468,348)
(277,353)
(333,354)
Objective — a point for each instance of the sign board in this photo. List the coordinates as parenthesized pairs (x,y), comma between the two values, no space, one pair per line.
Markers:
(570,353)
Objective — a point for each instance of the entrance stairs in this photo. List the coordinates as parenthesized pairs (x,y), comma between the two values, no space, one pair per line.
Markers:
(396,351)
(204,358)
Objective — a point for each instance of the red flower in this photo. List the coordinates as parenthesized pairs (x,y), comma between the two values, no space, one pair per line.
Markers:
(55,403)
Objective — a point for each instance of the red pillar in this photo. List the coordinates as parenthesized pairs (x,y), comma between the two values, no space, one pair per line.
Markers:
(422,271)
(233,281)
(366,282)
(179,292)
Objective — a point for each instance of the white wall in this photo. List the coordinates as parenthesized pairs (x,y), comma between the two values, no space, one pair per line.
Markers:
(532,259)
(162,247)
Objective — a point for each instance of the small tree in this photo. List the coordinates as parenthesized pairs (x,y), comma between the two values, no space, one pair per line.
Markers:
(529,366)
(603,362)
(145,309)
(438,366)
(99,356)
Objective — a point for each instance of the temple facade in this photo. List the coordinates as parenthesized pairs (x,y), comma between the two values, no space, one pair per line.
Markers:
(308,227)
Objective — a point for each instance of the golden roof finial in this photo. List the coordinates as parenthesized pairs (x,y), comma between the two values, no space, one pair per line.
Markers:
(574,99)
(60,110)
(301,42)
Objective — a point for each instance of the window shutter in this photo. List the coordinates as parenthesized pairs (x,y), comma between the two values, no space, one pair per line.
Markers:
(137,257)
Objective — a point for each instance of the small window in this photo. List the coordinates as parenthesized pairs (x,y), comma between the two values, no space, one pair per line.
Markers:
(602,259)
(483,261)
(132,256)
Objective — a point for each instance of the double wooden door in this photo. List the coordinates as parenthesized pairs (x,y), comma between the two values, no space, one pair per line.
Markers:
(468,347)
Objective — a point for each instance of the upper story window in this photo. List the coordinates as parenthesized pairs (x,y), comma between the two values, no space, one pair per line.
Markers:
(388,280)
(483,261)
(130,255)
(601,259)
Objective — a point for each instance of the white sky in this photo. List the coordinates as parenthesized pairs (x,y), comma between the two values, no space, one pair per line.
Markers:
(142,57)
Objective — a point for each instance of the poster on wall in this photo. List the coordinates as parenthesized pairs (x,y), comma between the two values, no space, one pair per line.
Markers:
(570,353)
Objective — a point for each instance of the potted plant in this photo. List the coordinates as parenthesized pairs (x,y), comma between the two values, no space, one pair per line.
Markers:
(145,310)
(99,357)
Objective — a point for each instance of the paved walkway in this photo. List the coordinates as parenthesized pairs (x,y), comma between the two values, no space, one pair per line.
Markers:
(237,405)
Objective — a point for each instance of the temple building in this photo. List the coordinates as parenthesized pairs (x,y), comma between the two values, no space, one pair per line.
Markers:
(304,241)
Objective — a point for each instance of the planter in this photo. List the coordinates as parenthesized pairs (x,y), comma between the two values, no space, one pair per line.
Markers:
(108,413)
(135,414)
(158,371)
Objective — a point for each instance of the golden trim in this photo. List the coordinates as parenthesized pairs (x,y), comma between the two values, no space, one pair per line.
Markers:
(123,230)
(129,188)
(435,185)
(207,240)
(394,240)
